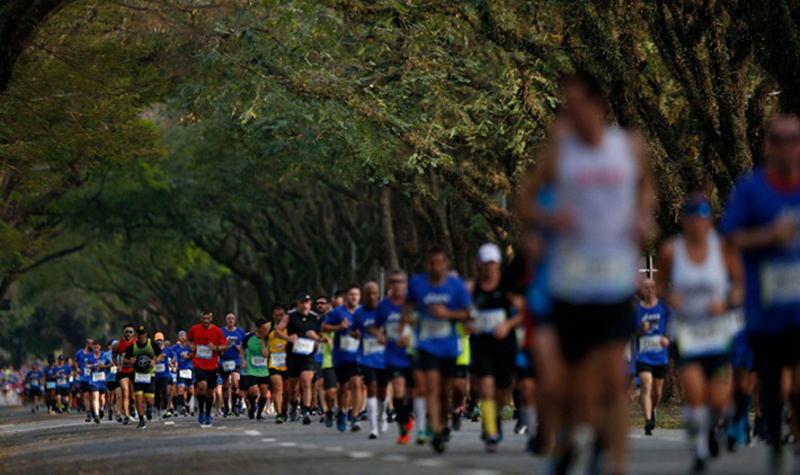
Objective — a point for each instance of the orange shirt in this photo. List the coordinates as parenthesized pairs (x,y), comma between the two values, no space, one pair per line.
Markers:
(201,337)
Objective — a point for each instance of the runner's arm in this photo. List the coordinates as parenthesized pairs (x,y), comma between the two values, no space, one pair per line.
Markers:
(281,328)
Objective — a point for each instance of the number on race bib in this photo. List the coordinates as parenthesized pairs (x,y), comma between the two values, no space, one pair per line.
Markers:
(258,362)
(98,376)
(348,344)
(650,344)
(50,385)
(228,366)
(487,320)
(707,337)
(143,378)
(185,373)
(303,346)
(161,368)
(204,352)
(392,330)
(62,381)
(277,360)
(87,372)
(113,370)
(780,283)
(435,329)
(372,346)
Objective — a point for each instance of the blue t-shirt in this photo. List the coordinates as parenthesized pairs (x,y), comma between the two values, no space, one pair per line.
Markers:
(164,364)
(648,346)
(34,378)
(62,375)
(183,355)
(50,373)
(388,315)
(235,337)
(772,301)
(103,359)
(437,336)
(372,352)
(84,370)
(346,349)
(110,358)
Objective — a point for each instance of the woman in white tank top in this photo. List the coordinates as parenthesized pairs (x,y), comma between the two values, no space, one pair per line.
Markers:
(703,279)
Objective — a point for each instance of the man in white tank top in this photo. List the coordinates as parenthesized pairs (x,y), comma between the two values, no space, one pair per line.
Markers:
(600,174)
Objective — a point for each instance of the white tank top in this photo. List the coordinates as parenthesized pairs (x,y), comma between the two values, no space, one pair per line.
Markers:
(698,285)
(596,260)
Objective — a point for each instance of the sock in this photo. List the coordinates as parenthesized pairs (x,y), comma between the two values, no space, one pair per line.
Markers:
(201,403)
(531,419)
(262,401)
(697,425)
(489,408)
(252,400)
(372,412)
(515,397)
(382,413)
(420,407)
(401,409)
(209,404)
(235,398)
(742,401)
(306,410)
(181,402)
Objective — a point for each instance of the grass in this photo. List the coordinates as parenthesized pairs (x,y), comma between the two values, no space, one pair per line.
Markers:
(667,417)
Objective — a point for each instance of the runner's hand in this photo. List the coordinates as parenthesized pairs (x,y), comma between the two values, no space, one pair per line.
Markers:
(664,342)
(717,308)
(265,352)
(212,347)
(292,338)
(381,339)
(402,341)
(783,231)
(501,331)
(345,324)
(645,326)
(439,311)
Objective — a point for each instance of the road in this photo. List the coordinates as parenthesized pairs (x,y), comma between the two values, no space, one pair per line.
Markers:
(39,443)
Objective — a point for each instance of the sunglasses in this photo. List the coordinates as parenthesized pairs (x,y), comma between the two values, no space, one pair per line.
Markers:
(322,303)
(159,341)
(702,210)
(397,281)
(129,332)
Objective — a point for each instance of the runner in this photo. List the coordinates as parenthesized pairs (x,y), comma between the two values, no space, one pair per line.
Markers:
(206,341)
(372,359)
(652,360)
(112,385)
(144,356)
(494,346)
(50,384)
(299,328)
(62,385)
(440,300)
(35,380)
(398,367)
(98,362)
(85,372)
(326,375)
(125,372)
(255,354)
(163,377)
(600,178)
(230,361)
(703,277)
(762,220)
(346,346)
(185,370)
(277,364)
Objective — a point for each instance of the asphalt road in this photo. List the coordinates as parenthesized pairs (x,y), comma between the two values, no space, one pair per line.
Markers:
(40,443)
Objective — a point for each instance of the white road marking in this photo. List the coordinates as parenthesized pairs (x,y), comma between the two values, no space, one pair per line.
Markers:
(481,471)
(333,449)
(254,433)
(267,440)
(396,458)
(307,446)
(361,455)
(288,444)
(433,463)
(169,423)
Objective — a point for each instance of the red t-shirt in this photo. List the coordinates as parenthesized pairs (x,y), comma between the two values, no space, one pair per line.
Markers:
(201,337)
(122,347)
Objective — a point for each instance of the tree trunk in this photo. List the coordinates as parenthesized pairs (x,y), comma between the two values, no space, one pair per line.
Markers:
(388,228)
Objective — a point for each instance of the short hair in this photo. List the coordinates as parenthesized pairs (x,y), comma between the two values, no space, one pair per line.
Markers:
(396,271)
(433,250)
(351,286)
(323,297)
(278,306)
(128,325)
(339,294)
(261,322)
(589,83)
(205,311)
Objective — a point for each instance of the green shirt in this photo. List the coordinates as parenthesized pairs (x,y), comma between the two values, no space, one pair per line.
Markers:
(256,362)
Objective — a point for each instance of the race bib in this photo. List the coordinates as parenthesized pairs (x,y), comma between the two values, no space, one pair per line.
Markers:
(113,370)
(161,368)
(598,271)
(372,346)
(204,352)
(392,330)
(61,381)
(142,378)
(650,344)
(34,383)
(780,283)
(348,344)
(98,376)
(50,385)
(487,320)
(228,366)
(707,337)
(303,346)
(434,329)
(87,372)
(258,362)
(277,360)
(185,374)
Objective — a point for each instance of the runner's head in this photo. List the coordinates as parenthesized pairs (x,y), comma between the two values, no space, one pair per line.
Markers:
(60,359)
(696,218)
(436,263)
(261,327)
(323,305)
(51,361)
(128,331)
(489,260)
(182,336)
(278,312)
(159,339)
(88,344)
(338,299)
(396,283)
(303,301)
(648,289)
(372,295)
(206,317)
(585,102)
(352,296)
(141,332)
(97,346)
(782,146)
(230,320)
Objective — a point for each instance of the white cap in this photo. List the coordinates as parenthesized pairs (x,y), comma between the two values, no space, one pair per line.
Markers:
(489,253)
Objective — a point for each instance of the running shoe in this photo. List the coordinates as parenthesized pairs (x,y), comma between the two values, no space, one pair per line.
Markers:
(96,419)
(476,414)
(438,443)
(280,419)
(457,417)
(260,418)
(142,424)
(354,427)
(329,419)
(209,420)
(149,413)
(201,418)
(372,435)
(102,414)
(404,439)
(341,422)
(126,420)
(251,413)
(492,444)
(306,420)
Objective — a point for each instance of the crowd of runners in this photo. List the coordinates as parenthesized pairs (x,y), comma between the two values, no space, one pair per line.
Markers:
(561,330)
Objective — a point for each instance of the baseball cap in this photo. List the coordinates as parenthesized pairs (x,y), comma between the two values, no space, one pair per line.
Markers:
(303,296)
(50,359)
(181,333)
(489,253)
(141,330)
(114,342)
(159,336)
(60,357)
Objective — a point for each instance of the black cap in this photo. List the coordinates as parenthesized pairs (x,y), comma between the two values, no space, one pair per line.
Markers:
(61,358)
(141,330)
(51,359)
(303,296)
